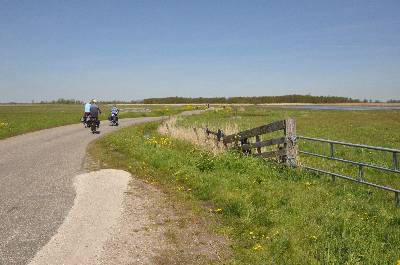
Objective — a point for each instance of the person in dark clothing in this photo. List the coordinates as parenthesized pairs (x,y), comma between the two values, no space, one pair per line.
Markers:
(95,112)
(94,109)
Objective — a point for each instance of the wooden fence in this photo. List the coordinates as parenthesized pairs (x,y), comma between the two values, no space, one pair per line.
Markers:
(250,143)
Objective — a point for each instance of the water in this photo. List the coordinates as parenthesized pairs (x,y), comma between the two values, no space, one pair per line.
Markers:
(340,107)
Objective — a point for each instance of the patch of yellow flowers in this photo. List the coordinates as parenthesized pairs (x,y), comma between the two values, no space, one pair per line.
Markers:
(3,125)
(189,107)
(159,141)
(257,247)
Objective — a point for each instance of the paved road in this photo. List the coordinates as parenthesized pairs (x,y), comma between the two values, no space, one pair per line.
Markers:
(36,191)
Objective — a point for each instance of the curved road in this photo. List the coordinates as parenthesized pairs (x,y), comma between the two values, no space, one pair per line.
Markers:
(36,185)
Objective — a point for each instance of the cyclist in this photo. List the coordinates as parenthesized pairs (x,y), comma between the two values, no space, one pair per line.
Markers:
(86,113)
(94,112)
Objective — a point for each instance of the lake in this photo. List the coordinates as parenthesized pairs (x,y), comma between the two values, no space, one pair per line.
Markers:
(340,107)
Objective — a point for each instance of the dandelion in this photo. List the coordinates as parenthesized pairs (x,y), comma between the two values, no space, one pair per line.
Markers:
(219,210)
(257,247)
(314,238)
(398,262)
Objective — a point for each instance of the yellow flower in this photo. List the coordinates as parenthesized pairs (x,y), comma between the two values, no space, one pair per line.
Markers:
(257,247)
(219,210)
(398,262)
(3,124)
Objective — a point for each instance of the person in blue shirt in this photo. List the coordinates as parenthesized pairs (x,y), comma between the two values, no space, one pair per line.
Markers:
(86,112)
(87,107)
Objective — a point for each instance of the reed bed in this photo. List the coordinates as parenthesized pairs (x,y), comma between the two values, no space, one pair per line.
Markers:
(196,135)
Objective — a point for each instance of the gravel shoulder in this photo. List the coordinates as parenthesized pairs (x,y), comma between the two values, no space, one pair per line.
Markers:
(96,211)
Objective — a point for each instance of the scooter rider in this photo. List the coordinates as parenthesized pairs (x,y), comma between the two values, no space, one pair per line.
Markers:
(114,110)
(114,115)
(95,111)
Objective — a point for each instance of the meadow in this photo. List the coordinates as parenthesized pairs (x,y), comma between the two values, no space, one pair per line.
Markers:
(23,118)
(376,128)
(271,213)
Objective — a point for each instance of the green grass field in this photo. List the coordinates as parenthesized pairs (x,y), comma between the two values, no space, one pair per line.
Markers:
(377,128)
(275,215)
(19,119)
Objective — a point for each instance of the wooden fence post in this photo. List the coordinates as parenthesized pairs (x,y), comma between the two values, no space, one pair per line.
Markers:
(290,145)
(245,141)
(258,139)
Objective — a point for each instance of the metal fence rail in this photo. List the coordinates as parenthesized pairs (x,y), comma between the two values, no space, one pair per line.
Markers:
(288,152)
(394,152)
(361,165)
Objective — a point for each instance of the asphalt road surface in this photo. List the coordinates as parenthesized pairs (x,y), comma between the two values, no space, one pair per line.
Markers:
(36,185)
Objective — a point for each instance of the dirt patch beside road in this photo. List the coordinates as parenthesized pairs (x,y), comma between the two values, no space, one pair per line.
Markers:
(155,229)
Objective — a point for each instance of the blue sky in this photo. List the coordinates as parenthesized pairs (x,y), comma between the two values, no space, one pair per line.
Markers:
(138,49)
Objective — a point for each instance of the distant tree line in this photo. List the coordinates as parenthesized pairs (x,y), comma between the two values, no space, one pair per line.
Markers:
(252,100)
(121,101)
(61,101)
(75,101)
(228,100)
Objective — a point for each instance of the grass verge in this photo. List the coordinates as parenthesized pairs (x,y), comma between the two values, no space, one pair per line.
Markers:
(273,215)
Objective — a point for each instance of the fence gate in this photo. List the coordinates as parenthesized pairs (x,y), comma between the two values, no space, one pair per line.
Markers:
(250,143)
